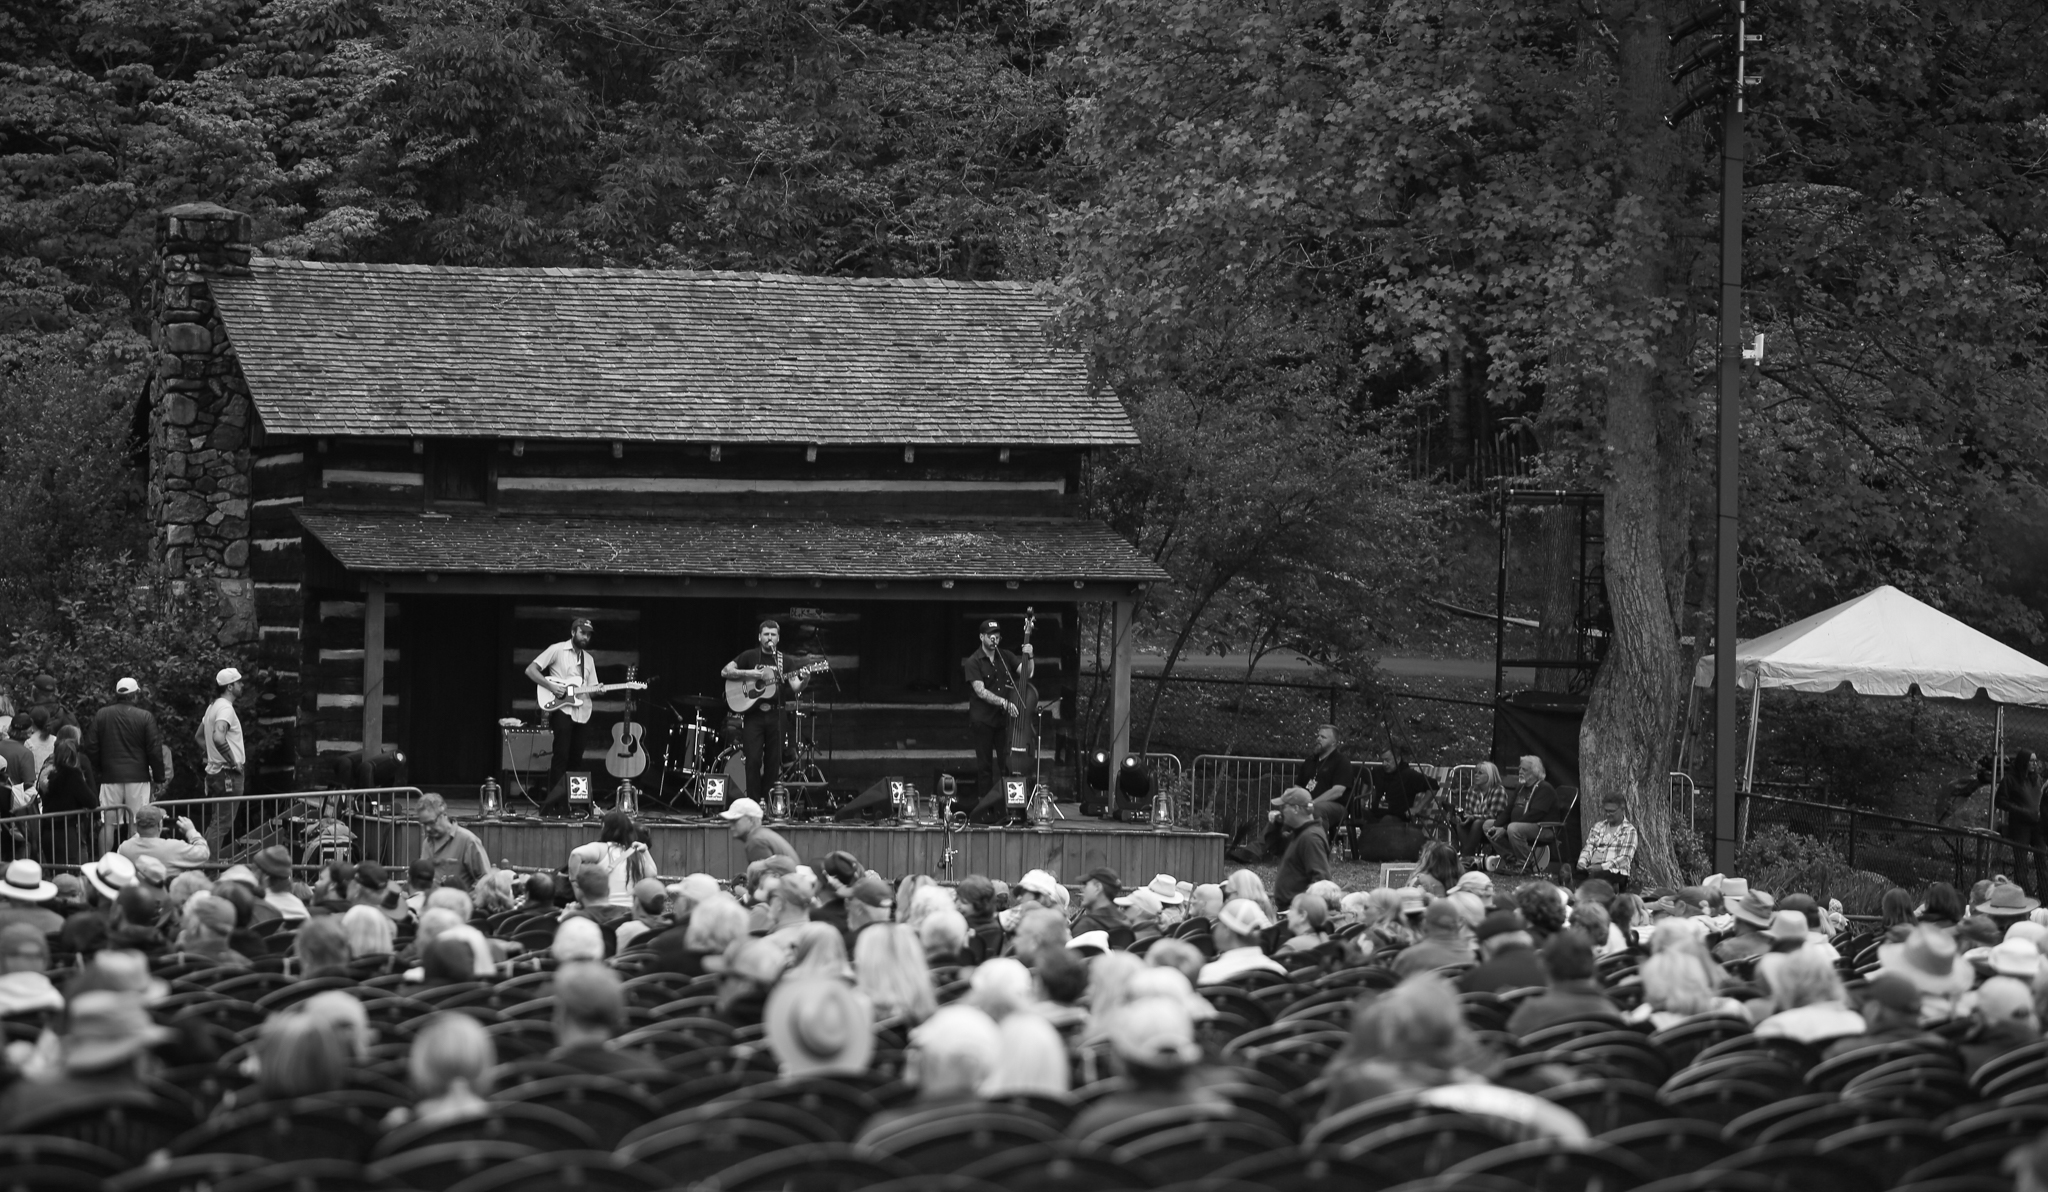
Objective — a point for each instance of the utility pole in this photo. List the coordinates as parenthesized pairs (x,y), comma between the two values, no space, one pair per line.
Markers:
(1731,47)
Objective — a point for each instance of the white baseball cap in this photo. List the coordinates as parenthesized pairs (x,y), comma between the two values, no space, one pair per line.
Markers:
(1143,899)
(127,686)
(1244,917)
(1038,882)
(227,675)
(741,807)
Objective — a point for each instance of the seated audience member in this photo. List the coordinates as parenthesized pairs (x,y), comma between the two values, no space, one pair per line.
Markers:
(1895,914)
(2004,1019)
(275,864)
(819,1027)
(331,892)
(789,903)
(1804,1000)
(24,962)
(1239,928)
(1571,993)
(1062,977)
(189,852)
(85,932)
(371,887)
(650,912)
(321,948)
(576,938)
(1031,1060)
(297,1056)
(1152,1044)
(1631,918)
(1413,1039)
(1307,922)
(206,930)
(419,882)
(951,1056)
(338,1012)
(1203,906)
(752,967)
(975,899)
(1813,920)
(368,931)
(1510,960)
(1545,910)
(590,1009)
(1592,920)
(1443,941)
(542,893)
(1243,883)
(1100,891)
(1178,955)
(1929,958)
(1609,854)
(448,960)
(1891,1014)
(715,924)
(450,1064)
(1001,987)
(944,938)
(816,950)
(1676,986)
(1142,909)
(868,902)
(1940,907)
(133,924)
(1752,914)
(493,893)
(105,1050)
(889,967)
(25,898)
(593,901)
(1041,930)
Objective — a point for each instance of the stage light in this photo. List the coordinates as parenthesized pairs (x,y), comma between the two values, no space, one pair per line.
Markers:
(1134,781)
(1098,772)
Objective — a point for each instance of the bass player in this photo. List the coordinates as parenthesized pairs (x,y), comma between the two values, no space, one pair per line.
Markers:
(761,727)
(561,668)
(992,674)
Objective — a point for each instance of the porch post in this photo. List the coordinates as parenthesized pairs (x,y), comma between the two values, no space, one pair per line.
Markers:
(373,671)
(1121,644)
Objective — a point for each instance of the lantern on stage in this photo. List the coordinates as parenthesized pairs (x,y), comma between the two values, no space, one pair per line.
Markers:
(902,796)
(490,799)
(1162,811)
(778,803)
(1041,809)
(629,796)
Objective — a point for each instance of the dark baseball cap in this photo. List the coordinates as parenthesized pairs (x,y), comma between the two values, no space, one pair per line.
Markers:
(991,627)
(370,875)
(1112,884)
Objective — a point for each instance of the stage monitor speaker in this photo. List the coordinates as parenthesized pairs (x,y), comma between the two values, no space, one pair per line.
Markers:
(526,749)
(872,803)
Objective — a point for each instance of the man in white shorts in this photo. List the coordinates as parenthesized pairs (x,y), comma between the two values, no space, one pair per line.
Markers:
(127,748)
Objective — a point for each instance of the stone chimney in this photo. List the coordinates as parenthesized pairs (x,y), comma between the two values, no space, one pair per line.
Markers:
(200,417)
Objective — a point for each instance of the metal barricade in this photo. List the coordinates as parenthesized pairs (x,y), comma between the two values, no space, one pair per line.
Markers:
(1229,791)
(1685,793)
(61,841)
(315,827)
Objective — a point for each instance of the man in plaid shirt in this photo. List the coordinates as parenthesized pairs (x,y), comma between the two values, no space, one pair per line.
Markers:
(1610,851)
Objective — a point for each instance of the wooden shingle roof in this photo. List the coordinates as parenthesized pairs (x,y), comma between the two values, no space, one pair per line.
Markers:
(640,355)
(1042,550)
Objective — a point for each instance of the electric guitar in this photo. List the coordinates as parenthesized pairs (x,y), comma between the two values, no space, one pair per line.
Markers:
(626,759)
(742,694)
(577,701)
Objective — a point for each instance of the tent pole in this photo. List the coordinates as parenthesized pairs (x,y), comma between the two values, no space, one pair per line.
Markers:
(1756,695)
(1997,771)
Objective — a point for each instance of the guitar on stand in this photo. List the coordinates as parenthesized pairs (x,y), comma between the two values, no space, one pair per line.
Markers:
(627,759)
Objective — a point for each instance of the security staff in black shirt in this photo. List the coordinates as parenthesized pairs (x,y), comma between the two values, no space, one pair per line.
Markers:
(1326,776)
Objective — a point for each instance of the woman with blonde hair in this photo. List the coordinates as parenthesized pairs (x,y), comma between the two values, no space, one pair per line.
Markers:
(1386,929)
(1676,986)
(1243,883)
(889,966)
(906,897)
(1487,800)
(1688,936)
(1307,922)
(369,932)
(450,1065)
(1032,1062)
(1109,982)
(493,894)
(1805,1000)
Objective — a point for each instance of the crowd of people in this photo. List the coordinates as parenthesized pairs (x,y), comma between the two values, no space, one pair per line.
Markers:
(1110,1009)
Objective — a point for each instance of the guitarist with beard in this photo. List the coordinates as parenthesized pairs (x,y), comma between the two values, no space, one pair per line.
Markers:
(561,668)
(761,729)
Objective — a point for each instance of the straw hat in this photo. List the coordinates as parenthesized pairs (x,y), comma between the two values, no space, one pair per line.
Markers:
(1097,941)
(1166,890)
(105,1028)
(2005,900)
(819,1025)
(2013,958)
(1756,908)
(1787,927)
(109,875)
(1928,958)
(24,883)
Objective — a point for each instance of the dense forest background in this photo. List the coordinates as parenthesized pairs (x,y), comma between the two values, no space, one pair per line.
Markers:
(1335,255)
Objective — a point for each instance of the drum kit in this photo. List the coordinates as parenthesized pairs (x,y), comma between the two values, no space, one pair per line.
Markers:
(704,766)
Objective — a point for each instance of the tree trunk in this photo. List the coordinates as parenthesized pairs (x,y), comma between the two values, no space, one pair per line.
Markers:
(1650,458)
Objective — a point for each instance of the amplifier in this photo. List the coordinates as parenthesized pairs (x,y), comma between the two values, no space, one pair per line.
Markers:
(526,749)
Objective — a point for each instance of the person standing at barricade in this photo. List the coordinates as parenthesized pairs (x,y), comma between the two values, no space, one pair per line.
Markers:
(220,739)
(127,747)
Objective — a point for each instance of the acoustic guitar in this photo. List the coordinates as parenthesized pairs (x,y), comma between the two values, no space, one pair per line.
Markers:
(626,759)
(742,694)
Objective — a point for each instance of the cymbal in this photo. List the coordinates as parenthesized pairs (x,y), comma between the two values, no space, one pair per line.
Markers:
(697,701)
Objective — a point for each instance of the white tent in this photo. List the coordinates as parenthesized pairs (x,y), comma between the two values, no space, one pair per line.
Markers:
(1883,642)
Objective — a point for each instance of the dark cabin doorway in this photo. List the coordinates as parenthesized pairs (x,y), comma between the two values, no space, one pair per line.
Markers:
(452,653)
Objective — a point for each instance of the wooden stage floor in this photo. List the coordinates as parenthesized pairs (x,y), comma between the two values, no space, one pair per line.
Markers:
(1067,849)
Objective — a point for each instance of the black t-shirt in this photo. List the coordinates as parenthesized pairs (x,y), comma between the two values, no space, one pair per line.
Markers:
(1320,774)
(748,660)
(996,675)
(1398,789)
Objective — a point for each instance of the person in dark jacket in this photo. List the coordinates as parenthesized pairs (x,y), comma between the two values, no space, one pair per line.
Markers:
(1099,892)
(1508,957)
(1573,992)
(1535,803)
(1307,859)
(976,898)
(127,748)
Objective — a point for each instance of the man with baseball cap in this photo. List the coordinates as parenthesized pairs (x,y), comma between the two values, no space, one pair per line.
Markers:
(221,729)
(760,843)
(127,748)
(1141,918)
(1306,860)
(1237,934)
(993,675)
(149,840)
